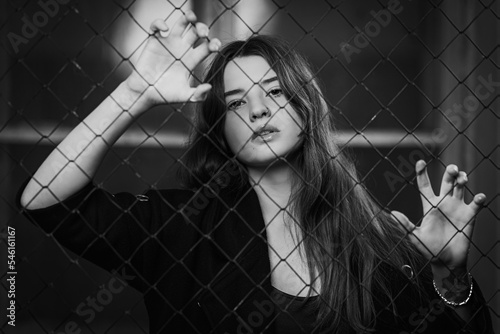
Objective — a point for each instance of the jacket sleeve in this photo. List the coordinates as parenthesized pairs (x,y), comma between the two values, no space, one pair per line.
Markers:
(480,319)
(110,229)
(421,310)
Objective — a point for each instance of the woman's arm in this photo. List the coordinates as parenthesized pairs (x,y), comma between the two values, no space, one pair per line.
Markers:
(75,160)
(445,233)
(160,76)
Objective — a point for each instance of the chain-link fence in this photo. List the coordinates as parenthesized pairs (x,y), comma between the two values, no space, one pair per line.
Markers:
(405,80)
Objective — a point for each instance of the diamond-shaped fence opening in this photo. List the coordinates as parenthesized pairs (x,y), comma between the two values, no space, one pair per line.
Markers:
(402,81)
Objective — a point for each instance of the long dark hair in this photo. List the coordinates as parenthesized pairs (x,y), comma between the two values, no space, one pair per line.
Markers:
(346,235)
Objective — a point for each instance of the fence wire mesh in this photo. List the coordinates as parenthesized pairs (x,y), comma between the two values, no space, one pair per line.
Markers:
(405,80)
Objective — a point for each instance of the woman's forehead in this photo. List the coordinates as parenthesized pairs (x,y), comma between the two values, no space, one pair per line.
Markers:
(247,70)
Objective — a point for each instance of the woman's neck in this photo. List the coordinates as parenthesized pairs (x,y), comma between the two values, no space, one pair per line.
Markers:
(273,185)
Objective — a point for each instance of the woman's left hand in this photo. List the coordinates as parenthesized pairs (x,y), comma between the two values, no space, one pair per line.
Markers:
(445,233)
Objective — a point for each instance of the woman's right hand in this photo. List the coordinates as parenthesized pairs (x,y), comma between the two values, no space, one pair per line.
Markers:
(162,73)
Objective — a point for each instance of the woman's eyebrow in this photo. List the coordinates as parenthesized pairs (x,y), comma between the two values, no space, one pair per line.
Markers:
(234,92)
(269,80)
(242,91)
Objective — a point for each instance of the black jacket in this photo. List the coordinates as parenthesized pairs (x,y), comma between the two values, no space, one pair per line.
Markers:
(201,261)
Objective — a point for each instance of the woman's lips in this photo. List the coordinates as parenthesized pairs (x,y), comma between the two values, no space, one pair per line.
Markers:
(265,132)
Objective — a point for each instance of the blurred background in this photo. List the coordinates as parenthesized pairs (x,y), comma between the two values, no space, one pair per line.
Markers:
(406,80)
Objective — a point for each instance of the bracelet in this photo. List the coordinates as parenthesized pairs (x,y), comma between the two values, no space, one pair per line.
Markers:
(451,303)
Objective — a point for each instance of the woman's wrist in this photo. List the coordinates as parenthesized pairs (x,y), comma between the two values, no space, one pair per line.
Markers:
(453,284)
(132,100)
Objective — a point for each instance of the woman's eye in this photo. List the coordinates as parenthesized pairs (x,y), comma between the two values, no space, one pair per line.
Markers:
(275,92)
(234,104)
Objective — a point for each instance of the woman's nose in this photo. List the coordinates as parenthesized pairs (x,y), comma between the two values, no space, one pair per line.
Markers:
(259,110)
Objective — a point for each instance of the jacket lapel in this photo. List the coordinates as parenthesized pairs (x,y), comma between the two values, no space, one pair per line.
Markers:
(237,267)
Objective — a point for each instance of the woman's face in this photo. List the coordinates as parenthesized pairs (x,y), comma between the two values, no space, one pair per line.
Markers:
(260,124)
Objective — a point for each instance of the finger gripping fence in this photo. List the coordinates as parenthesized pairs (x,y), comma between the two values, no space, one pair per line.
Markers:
(167,237)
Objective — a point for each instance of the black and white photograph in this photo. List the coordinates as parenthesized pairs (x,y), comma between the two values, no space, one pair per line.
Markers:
(250,166)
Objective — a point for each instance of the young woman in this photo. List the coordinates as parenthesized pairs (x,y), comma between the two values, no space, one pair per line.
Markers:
(273,232)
